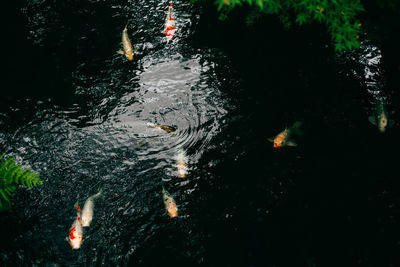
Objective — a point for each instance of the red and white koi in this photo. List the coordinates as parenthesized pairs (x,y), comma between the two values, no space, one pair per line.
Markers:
(126,44)
(284,137)
(170,204)
(87,211)
(170,24)
(76,231)
(181,163)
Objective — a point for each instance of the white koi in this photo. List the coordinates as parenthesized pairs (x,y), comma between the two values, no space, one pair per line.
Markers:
(181,163)
(87,211)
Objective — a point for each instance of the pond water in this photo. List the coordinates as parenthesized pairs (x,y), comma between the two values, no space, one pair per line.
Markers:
(80,117)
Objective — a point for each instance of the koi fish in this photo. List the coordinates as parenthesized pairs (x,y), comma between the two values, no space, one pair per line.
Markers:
(169,25)
(168,129)
(126,44)
(380,117)
(170,204)
(284,137)
(76,231)
(181,163)
(87,211)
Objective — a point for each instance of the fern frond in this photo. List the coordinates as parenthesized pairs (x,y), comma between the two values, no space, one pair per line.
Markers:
(4,195)
(12,175)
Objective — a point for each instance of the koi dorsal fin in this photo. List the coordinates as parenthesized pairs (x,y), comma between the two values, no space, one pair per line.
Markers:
(291,143)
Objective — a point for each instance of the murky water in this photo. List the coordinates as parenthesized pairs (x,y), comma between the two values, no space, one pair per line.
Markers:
(241,203)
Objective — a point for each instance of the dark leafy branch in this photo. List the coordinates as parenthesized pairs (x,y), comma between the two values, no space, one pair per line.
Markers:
(340,16)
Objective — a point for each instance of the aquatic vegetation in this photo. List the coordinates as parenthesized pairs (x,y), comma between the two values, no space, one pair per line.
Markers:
(340,16)
(12,175)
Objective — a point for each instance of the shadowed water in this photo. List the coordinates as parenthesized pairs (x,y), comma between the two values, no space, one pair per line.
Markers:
(327,202)
(102,140)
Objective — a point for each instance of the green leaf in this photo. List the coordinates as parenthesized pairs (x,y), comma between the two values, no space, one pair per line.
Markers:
(339,47)
(319,16)
(4,195)
(260,4)
(11,175)
(301,18)
(220,5)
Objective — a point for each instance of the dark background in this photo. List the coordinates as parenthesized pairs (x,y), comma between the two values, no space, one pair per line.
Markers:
(332,201)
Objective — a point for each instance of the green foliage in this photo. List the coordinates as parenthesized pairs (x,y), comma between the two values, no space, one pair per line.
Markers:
(12,175)
(340,16)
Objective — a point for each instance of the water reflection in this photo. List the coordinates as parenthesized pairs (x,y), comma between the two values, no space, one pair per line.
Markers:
(370,59)
(367,68)
(103,140)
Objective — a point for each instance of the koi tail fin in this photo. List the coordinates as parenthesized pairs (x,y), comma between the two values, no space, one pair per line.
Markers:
(165,193)
(77,206)
(169,12)
(372,120)
(296,128)
(98,194)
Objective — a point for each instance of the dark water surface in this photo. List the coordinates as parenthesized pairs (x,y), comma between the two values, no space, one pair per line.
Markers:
(78,115)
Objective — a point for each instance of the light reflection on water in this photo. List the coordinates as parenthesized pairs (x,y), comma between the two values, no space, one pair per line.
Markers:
(103,141)
(368,69)
(171,92)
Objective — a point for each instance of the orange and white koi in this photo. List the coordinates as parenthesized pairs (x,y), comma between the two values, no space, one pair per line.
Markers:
(380,117)
(87,211)
(170,204)
(168,129)
(181,163)
(126,44)
(170,24)
(76,231)
(284,137)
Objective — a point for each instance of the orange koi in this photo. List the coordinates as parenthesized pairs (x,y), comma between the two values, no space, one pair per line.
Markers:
(168,129)
(284,137)
(126,44)
(170,204)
